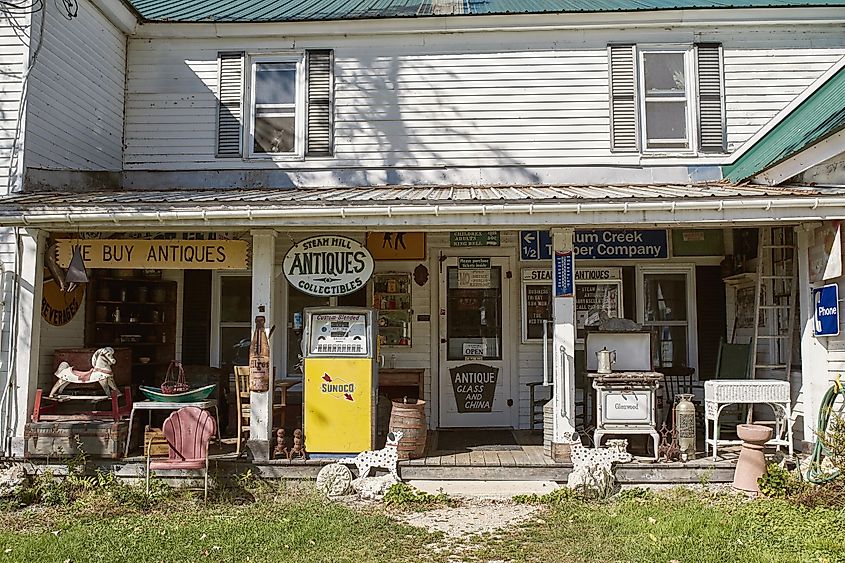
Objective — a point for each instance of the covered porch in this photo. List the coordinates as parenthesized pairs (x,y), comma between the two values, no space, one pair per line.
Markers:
(277,218)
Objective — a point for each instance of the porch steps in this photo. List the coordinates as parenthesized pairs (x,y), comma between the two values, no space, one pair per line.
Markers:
(636,472)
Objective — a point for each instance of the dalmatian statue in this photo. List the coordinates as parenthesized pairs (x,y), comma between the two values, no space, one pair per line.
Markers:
(385,458)
(102,360)
(592,471)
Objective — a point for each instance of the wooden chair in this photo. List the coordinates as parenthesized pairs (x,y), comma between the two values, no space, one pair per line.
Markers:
(187,432)
(242,403)
(242,396)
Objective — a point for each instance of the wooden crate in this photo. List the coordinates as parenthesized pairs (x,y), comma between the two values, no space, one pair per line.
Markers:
(159,445)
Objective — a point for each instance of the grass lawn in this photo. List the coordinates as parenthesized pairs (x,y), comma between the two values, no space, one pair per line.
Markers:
(291,525)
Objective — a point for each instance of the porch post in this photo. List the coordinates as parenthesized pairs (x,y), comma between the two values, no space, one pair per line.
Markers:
(563,268)
(24,313)
(261,403)
(815,378)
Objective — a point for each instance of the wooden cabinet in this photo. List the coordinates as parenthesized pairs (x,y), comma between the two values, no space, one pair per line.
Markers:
(133,312)
(392,298)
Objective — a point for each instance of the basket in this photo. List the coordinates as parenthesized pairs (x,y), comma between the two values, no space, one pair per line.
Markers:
(174,379)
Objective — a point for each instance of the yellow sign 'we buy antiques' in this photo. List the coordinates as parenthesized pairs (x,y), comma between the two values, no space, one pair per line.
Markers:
(156,254)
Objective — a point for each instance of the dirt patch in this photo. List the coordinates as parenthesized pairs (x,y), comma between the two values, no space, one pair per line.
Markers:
(471,517)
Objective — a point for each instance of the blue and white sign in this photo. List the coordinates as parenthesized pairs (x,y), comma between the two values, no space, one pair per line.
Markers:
(564,275)
(826,307)
(535,245)
(599,244)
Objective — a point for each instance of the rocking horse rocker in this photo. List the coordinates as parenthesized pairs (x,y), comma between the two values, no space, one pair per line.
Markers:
(102,361)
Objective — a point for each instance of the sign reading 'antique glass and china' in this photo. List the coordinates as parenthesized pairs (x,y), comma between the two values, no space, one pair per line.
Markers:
(328,265)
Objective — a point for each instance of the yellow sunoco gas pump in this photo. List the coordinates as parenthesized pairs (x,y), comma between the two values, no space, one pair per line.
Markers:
(341,374)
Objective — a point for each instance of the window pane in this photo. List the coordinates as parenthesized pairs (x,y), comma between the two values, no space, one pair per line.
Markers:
(665,297)
(664,73)
(235,299)
(666,124)
(234,346)
(669,346)
(275,83)
(475,313)
(274,134)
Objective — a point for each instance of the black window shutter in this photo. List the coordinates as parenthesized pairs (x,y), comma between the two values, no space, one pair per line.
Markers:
(711,113)
(319,139)
(624,136)
(230,104)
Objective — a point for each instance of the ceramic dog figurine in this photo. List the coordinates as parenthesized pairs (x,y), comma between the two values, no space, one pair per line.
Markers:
(102,360)
(385,458)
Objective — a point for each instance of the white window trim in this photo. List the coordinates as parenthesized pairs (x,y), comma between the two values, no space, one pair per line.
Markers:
(298,58)
(690,78)
(692,314)
(216,324)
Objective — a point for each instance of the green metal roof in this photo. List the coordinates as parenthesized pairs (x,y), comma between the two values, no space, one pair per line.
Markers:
(820,115)
(325,10)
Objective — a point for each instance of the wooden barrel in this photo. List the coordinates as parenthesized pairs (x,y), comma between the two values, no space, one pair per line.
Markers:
(409,418)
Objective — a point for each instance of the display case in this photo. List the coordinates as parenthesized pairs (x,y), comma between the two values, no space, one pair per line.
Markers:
(134,309)
(392,299)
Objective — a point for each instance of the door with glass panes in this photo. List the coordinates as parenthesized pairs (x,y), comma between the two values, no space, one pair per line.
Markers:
(475,382)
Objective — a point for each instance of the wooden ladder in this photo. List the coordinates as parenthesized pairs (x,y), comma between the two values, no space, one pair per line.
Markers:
(775,303)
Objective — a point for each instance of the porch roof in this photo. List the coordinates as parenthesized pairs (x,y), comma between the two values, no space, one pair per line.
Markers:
(434,206)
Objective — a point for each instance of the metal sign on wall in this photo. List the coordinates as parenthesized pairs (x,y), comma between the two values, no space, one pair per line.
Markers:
(599,244)
(826,310)
(474,386)
(396,246)
(59,307)
(474,238)
(328,265)
(161,254)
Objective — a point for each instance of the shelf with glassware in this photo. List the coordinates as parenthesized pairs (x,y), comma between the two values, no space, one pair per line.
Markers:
(392,298)
(134,309)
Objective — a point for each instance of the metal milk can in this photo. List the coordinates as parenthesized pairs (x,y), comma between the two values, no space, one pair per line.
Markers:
(606,358)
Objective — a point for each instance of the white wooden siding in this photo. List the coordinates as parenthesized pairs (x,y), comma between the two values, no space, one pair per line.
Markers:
(507,100)
(75,106)
(14,49)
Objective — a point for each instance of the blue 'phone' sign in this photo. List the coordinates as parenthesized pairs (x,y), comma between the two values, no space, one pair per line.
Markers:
(826,310)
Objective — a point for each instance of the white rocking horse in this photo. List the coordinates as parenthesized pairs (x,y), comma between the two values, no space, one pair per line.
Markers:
(102,360)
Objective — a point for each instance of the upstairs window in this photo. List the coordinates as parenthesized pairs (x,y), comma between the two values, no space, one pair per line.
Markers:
(666,99)
(275,92)
(275,106)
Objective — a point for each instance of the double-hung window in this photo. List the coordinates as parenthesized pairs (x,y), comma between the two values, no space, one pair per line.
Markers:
(275,123)
(666,99)
(275,106)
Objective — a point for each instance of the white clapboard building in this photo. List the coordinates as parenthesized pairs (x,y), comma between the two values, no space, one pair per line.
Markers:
(515,172)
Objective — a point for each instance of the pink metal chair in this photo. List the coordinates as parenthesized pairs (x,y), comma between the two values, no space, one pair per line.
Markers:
(187,432)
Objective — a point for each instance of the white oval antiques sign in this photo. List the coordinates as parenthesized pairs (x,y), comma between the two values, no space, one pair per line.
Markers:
(328,265)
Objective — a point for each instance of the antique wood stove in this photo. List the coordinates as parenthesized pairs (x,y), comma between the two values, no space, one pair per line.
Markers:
(626,398)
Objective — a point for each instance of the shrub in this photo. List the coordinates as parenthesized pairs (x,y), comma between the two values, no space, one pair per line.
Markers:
(778,482)
(402,495)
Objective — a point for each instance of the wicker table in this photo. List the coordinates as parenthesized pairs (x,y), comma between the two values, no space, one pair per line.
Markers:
(151,406)
(719,393)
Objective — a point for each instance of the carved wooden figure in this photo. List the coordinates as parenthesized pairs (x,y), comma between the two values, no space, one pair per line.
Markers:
(298,449)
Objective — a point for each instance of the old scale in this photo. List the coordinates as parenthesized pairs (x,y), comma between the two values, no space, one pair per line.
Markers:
(626,387)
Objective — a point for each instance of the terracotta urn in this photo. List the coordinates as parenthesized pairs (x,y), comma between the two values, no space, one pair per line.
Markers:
(752,463)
